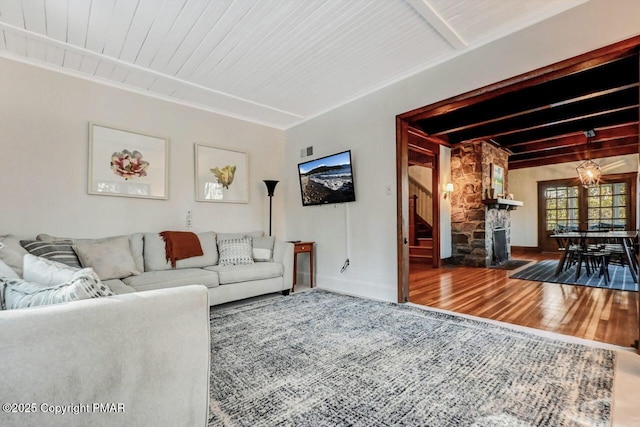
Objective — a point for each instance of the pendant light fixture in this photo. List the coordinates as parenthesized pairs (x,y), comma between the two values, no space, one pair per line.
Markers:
(589,171)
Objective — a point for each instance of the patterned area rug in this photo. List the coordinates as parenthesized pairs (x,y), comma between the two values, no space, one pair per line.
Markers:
(544,271)
(322,359)
(512,264)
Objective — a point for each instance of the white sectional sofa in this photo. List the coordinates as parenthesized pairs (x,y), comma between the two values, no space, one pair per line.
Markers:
(145,267)
(140,359)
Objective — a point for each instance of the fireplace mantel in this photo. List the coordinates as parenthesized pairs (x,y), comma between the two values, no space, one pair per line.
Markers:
(502,204)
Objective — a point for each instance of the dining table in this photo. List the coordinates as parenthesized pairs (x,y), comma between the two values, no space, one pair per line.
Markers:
(583,238)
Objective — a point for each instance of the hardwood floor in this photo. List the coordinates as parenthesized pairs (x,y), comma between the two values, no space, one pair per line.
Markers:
(596,314)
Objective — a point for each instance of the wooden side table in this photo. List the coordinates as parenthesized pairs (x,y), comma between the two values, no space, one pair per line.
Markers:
(299,248)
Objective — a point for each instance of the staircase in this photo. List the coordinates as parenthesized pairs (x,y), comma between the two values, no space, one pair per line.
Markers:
(420,235)
(423,252)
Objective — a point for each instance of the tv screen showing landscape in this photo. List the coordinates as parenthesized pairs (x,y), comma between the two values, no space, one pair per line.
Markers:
(327,180)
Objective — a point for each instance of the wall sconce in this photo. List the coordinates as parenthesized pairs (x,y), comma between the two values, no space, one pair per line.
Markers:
(448,189)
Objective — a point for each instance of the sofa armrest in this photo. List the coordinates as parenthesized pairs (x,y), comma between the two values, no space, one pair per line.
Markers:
(145,353)
(283,253)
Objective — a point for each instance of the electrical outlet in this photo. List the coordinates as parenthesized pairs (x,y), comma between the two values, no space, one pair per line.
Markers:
(189,219)
(388,189)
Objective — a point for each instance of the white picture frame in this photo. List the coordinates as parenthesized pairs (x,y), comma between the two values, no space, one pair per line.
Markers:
(221,174)
(127,163)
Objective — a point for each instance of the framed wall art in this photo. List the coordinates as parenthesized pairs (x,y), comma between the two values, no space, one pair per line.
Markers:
(127,163)
(221,175)
(497,180)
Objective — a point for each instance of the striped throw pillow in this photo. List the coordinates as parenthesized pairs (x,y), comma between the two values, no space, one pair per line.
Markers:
(235,251)
(59,251)
(84,284)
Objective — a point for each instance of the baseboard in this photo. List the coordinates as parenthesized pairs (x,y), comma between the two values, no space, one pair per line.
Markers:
(446,261)
(525,250)
(374,291)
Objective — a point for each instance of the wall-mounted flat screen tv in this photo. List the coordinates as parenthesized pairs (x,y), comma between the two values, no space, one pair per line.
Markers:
(327,180)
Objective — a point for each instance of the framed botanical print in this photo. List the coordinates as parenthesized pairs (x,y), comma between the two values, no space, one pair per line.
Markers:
(221,175)
(497,180)
(127,163)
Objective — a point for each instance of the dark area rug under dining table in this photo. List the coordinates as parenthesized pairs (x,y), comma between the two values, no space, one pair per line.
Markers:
(544,271)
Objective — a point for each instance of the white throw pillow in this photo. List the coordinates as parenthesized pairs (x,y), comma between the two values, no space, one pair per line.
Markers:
(11,254)
(46,272)
(6,271)
(84,284)
(235,251)
(110,258)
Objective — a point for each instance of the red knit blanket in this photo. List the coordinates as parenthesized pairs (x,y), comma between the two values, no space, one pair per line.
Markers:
(180,245)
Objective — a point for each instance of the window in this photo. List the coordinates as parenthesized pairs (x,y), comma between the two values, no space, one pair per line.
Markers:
(607,207)
(562,207)
(565,205)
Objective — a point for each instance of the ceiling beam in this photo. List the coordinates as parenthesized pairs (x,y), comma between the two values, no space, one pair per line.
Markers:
(577,138)
(428,12)
(571,154)
(538,109)
(415,135)
(560,69)
(68,47)
(558,122)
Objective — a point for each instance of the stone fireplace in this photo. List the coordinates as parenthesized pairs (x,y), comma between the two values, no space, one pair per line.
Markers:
(473,219)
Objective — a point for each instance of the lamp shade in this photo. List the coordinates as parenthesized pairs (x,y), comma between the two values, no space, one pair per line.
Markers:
(589,173)
(271,186)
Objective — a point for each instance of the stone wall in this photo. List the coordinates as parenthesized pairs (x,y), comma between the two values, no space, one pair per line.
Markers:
(472,223)
(494,218)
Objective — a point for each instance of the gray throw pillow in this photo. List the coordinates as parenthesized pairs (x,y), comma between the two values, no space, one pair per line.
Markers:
(135,239)
(235,251)
(110,258)
(58,251)
(263,248)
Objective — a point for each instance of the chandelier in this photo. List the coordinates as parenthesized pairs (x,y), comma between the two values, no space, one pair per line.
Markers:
(589,171)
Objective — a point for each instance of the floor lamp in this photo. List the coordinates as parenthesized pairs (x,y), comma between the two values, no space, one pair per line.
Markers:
(271,186)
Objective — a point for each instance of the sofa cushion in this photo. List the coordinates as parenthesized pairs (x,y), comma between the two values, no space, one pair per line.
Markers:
(263,248)
(235,251)
(228,274)
(155,255)
(227,236)
(84,284)
(110,258)
(46,272)
(59,251)
(118,286)
(11,253)
(135,240)
(171,278)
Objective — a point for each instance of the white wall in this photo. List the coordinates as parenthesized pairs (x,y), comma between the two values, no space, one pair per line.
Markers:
(445,205)
(523,183)
(367,127)
(44,134)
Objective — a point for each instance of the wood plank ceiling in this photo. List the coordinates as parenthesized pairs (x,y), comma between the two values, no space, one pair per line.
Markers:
(543,120)
(277,62)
